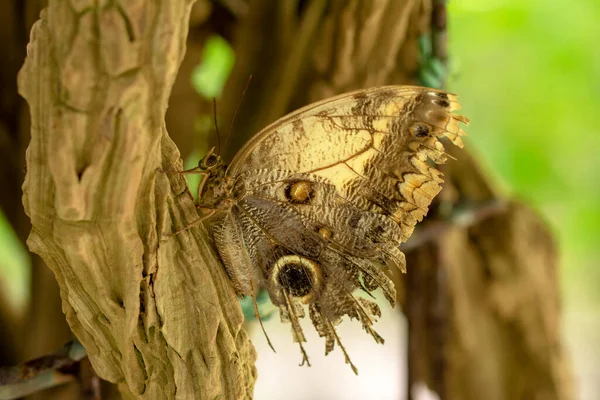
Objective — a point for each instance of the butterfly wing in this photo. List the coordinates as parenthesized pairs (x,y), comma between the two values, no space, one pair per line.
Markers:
(325,195)
(371,144)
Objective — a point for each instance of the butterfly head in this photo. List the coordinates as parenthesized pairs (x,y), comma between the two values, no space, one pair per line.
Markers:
(216,190)
(210,162)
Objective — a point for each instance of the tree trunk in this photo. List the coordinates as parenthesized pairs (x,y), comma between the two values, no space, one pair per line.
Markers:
(155,313)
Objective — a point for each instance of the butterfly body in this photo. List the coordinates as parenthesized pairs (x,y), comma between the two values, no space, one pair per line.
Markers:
(316,205)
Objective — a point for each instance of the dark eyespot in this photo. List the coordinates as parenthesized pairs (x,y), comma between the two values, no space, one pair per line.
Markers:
(420,130)
(296,279)
(442,103)
(299,277)
(299,192)
(442,95)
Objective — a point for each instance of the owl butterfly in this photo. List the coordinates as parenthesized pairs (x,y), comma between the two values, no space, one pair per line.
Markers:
(315,206)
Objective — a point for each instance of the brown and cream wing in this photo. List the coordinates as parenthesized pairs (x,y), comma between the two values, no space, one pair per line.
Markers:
(372,145)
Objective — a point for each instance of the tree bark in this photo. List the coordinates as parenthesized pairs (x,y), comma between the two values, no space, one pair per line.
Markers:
(155,313)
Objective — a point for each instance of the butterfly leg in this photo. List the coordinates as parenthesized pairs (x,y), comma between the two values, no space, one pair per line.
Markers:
(195,170)
(192,224)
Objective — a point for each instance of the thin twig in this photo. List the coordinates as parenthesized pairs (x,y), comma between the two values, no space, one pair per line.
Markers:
(89,381)
(461,217)
(439,27)
(42,373)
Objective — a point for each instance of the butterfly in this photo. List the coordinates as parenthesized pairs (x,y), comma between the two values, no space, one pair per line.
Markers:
(314,207)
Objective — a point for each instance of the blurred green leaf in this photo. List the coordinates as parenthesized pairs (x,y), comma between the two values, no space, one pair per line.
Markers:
(266,309)
(193,180)
(209,77)
(14,266)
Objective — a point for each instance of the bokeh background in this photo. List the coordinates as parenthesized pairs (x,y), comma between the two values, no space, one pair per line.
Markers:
(528,75)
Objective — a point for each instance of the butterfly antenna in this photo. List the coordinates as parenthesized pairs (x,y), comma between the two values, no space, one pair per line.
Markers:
(236,110)
(216,125)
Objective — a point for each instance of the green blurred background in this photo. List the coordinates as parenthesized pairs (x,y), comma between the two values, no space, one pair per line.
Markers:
(528,75)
